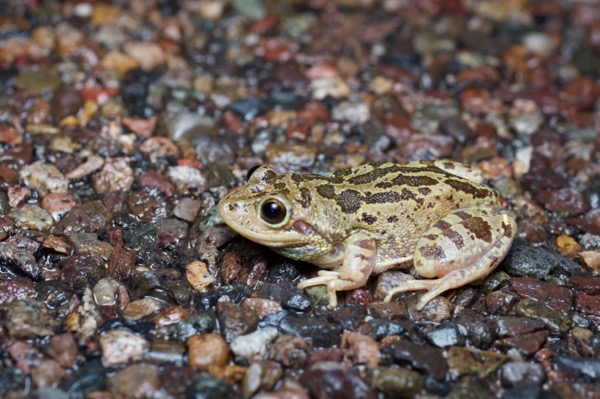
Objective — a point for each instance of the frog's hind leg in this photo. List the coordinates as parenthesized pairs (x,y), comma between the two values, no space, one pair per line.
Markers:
(463,247)
(358,263)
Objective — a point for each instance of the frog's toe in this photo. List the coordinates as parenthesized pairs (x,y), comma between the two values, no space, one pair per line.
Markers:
(434,287)
(325,276)
(407,286)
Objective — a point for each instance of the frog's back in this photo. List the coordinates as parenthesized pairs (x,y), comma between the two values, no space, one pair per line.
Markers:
(396,203)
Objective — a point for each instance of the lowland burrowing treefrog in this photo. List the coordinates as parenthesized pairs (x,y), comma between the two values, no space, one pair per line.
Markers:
(365,220)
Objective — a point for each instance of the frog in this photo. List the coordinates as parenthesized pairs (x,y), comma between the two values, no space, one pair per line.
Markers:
(435,216)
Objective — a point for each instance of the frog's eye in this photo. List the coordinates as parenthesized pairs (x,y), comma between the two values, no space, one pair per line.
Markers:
(274,211)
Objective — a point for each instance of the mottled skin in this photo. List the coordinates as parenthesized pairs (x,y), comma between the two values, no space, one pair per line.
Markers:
(371,218)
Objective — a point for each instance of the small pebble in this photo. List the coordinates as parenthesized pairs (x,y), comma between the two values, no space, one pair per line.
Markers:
(122,347)
(206,351)
(253,345)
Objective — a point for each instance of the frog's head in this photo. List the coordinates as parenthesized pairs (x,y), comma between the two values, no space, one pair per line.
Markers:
(271,210)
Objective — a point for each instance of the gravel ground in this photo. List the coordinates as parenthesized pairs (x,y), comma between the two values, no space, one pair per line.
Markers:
(122,125)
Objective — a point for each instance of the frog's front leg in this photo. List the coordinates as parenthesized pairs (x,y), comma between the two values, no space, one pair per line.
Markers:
(463,247)
(358,263)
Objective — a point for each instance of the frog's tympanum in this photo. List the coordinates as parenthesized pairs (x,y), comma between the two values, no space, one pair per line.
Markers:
(368,219)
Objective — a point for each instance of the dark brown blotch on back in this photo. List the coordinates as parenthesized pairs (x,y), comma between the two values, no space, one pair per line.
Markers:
(282,188)
(479,227)
(414,180)
(469,188)
(326,191)
(392,219)
(386,197)
(368,219)
(374,175)
(349,201)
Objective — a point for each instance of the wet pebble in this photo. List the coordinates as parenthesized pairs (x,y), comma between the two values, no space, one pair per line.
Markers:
(171,315)
(235,320)
(353,112)
(47,373)
(198,276)
(262,307)
(449,334)
(121,264)
(186,178)
(9,135)
(140,380)
(122,347)
(153,180)
(45,178)
(32,217)
(195,324)
(397,382)
(18,252)
(524,259)
(248,108)
(187,209)
(90,243)
(14,290)
(253,345)
(204,385)
(141,308)
(360,349)
(66,101)
(591,259)
(568,200)
(589,306)
(115,175)
(206,351)
(320,332)
(380,328)
(514,374)
(24,354)
(27,318)
(470,361)
(555,321)
(38,81)
(175,379)
(91,216)
(419,357)
(16,195)
(289,351)
(333,380)
(63,349)
(261,375)
(57,204)
(82,270)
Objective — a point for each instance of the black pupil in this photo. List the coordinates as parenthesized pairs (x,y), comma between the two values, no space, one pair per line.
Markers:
(273,211)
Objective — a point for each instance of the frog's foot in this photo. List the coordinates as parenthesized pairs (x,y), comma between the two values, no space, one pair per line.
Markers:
(328,278)
(358,263)
(435,287)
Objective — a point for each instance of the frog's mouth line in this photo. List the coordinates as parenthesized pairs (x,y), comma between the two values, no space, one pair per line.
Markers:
(280,238)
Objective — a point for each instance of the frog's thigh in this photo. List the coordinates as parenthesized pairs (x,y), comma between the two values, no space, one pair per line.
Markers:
(359,261)
(472,240)
(463,247)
